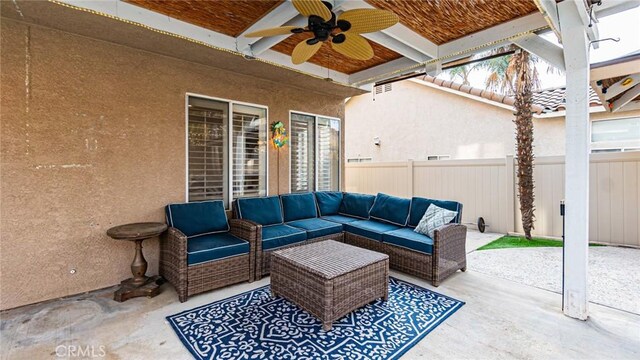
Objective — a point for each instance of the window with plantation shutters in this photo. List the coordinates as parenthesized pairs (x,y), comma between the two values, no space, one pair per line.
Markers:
(207,176)
(225,163)
(328,158)
(302,135)
(249,151)
(315,153)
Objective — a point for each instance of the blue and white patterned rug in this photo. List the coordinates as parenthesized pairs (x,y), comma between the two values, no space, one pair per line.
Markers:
(253,325)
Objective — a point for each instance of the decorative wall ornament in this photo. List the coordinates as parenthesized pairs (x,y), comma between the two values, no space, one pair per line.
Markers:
(279,136)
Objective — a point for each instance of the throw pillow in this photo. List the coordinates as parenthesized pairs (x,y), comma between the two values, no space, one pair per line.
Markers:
(433,218)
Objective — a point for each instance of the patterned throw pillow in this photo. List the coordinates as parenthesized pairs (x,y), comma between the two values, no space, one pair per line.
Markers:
(433,218)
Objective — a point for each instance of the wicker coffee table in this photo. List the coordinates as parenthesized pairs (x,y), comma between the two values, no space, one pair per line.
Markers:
(329,279)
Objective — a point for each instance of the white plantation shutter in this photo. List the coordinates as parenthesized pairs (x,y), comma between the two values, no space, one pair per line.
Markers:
(207,149)
(328,147)
(209,162)
(249,152)
(302,147)
(315,153)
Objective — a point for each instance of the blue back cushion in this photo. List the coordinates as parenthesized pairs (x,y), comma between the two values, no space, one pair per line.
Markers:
(198,218)
(263,210)
(298,206)
(390,209)
(357,205)
(419,207)
(328,202)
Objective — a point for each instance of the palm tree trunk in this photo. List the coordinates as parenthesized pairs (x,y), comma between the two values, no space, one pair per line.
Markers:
(524,140)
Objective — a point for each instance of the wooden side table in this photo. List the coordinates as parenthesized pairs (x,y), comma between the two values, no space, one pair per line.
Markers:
(139,284)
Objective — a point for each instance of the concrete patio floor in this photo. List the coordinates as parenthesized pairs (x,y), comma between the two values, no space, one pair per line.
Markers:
(501,319)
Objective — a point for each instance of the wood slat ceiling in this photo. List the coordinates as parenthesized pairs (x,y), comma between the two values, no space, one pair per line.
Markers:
(333,60)
(230,17)
(441,21)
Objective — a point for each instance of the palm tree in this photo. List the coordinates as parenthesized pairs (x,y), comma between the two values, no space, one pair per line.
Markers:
(517,74)
(461,72)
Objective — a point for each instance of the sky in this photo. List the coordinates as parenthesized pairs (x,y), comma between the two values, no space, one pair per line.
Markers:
(624,25)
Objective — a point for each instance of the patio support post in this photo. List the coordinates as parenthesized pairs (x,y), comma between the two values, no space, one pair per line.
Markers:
(576,246)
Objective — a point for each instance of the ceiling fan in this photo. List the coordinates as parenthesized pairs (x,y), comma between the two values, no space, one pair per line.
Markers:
(343,32)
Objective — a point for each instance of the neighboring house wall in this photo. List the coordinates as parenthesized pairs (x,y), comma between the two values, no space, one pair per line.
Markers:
(93,135)
(414,121)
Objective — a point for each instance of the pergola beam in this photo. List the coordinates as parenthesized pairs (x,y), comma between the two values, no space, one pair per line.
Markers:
(376,73)
(577,147)
(493,36)
(626,98)
(398,32)
(543,49)
(397,46)
(266,43)
(621,86)
(277,17)
(550,12)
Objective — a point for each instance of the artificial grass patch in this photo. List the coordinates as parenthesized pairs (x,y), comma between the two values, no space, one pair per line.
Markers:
(507,242)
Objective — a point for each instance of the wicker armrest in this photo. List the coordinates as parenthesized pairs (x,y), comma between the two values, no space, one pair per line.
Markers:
(173,257)
(449,251)
(251,232)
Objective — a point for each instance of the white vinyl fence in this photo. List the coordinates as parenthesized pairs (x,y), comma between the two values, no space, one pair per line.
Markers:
(487,188)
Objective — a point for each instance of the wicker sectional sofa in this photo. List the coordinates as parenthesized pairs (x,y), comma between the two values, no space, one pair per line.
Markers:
(381,223)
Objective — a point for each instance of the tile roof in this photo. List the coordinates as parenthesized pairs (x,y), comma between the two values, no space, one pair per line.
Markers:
(544,101)
(553,100)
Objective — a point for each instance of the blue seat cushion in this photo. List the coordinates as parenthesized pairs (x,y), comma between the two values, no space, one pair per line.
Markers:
(275,236)
(342,219)
(262,210)
(198,218)
(328,202)
(420,205)
(371,229)
(214,247)
(407,238)
(317,227)
(298,206)
(391,209)
(356,205)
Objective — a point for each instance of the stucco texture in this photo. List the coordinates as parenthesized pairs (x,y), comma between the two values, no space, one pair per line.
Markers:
(92,136)
(414,121)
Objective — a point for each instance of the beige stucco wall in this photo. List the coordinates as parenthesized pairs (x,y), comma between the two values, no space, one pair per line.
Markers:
(414,120)
(92,136)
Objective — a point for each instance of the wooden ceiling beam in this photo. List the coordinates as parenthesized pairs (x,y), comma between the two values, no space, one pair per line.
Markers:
(626,98)
(267,43)
(398,32)
(279,16)
(492,37)
(543,49)
(162,23)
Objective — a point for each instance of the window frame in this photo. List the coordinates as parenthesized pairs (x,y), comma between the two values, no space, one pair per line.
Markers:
(315,144)
(230,103)
(612,146)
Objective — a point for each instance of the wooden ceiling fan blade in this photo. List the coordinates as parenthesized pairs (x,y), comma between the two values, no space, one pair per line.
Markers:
(282,30)
(312,7)
(369,20)
(303,51)
(354,46)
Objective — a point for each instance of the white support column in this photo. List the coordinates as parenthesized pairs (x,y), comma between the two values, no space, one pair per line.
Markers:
(576,247)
